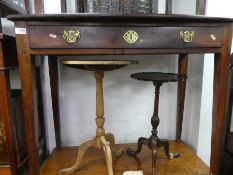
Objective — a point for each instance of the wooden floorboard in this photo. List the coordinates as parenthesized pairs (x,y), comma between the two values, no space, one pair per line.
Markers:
(5,171)
(94,162)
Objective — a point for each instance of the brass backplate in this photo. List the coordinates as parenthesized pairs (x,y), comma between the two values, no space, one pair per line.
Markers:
(187,36)
(71,36)
(131,37)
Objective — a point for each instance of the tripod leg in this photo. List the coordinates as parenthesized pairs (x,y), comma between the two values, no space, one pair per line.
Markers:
(141,141)
(116,151)
(82,149)
(110,138)
(165,144)
(108,154)
(154,158)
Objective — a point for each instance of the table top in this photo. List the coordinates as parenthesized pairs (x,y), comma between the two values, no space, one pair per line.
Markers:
(92,34)
(123,18)
(97,65)
(158,77)
(98,62)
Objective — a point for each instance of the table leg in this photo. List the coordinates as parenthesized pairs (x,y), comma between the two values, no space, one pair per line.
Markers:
(53,73)
(27,75)
(41,112)
(220,96)
(182,70)
(6,112)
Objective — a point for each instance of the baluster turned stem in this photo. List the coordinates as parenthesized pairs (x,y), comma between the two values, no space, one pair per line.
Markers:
(155,117)
(99,107)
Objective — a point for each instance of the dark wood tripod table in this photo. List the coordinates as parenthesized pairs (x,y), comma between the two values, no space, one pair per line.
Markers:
(154,142)
(102,140)
(122,34)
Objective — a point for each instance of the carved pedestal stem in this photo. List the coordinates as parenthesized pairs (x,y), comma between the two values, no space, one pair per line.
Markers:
(155,118)
(153,141)
(99,107)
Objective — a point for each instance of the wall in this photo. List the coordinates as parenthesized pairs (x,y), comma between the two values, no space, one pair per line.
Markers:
(128,103)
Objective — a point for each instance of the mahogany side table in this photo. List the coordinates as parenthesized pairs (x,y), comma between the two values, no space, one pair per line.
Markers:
(122,34)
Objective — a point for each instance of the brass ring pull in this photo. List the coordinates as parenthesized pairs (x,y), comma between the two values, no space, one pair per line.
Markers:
(131,37)
(187,36)
(71,36)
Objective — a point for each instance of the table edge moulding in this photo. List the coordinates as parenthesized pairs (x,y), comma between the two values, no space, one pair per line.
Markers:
(69,38)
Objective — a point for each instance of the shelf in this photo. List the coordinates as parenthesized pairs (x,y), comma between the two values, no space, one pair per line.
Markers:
(94,162)
(7,7)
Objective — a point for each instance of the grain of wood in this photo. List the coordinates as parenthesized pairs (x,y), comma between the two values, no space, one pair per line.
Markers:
(94,162)
(5,171)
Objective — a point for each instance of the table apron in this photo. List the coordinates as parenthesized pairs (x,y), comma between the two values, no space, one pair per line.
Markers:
(88,37)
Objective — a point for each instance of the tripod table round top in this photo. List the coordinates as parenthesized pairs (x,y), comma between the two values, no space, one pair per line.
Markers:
(97,65)
(158,77)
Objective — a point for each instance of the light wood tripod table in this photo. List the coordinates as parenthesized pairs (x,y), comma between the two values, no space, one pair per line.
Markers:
(101,140)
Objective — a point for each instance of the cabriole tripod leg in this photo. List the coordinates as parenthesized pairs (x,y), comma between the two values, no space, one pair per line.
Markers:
(81,151)
(108,155)
(165,144)
(116,151)
(141,141)
(154,158)
(110,138)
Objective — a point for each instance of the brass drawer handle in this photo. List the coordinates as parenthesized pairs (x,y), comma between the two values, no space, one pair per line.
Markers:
(187,36)
(71,36)
(131,37)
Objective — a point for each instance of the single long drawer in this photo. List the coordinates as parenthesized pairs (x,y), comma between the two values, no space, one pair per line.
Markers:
(124,37)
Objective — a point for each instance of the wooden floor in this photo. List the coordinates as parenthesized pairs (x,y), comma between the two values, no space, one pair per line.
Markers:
(5,171)
(94,162)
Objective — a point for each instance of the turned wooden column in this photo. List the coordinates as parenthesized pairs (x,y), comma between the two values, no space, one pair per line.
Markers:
(155,118)
(154,140)
(100,131)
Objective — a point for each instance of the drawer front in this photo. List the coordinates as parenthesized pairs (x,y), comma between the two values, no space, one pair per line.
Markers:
(124,37)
